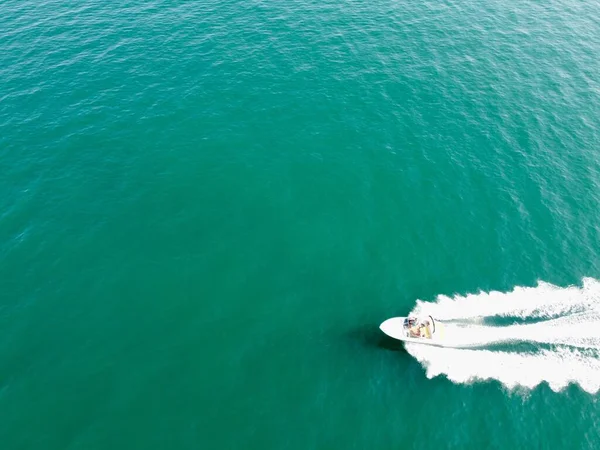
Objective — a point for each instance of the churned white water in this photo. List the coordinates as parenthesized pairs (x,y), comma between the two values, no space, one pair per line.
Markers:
(563,324)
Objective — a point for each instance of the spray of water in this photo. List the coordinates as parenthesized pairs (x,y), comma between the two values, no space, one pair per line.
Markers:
(560,325)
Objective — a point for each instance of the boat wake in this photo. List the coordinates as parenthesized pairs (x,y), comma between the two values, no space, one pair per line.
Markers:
(520,338)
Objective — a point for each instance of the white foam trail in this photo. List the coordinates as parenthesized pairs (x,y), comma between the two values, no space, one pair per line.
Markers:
(545,300)
(577,331)
(566,320)
(557,367)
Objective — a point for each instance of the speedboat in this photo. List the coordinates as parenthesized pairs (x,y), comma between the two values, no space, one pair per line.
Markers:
(423,330)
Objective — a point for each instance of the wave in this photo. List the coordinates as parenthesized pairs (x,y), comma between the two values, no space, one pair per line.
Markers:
(560,324)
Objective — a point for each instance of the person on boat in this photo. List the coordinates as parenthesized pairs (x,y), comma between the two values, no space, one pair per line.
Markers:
(415,331)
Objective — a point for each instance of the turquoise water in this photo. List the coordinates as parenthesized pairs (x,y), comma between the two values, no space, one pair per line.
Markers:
(207,208)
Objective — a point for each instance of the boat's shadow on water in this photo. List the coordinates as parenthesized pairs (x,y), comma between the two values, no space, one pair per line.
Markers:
(371,337)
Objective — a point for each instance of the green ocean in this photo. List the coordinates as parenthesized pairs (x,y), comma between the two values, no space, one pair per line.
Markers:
(207,208)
